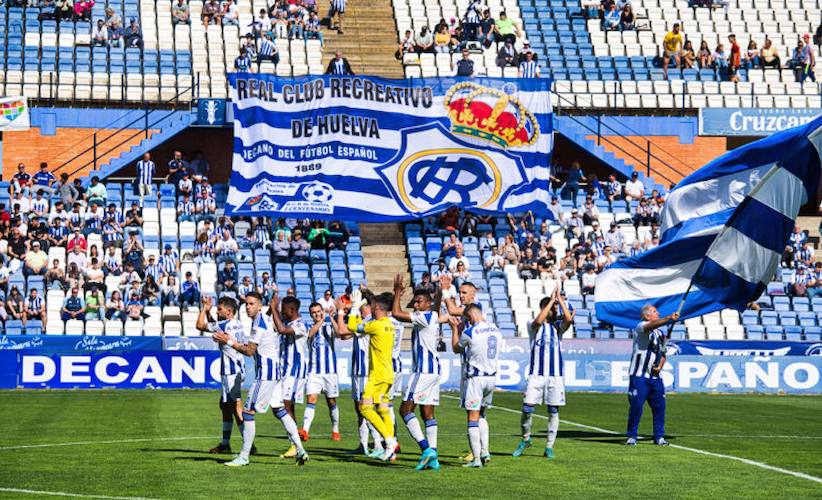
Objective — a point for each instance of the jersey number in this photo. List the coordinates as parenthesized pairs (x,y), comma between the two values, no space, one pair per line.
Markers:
(492,348)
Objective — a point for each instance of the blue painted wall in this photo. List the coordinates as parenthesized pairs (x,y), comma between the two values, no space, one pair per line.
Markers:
(88,118)
(684,127)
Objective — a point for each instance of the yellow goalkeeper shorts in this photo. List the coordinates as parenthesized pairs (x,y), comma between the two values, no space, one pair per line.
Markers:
(376,391)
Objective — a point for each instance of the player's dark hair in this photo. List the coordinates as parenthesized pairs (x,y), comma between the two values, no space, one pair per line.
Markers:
(470,308)
(469,284)
(291,302)
(254,295)
(384,300)
(229,303)
(314,304)
(368,295)
(421,292)
(544,302)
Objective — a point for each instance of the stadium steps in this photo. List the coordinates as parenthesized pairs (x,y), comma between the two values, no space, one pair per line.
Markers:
(367,43)
(383,248)
(170,128)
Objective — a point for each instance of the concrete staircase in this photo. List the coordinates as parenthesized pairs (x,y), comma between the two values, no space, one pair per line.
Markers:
(369,40)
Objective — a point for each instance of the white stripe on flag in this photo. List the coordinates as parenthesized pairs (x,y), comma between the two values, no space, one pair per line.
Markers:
(625,285)
(759,263)
(773,194)
(708,197)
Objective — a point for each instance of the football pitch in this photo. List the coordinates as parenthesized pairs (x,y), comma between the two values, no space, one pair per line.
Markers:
(153,444)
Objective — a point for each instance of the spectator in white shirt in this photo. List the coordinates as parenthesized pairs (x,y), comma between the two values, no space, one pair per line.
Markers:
(634,189)
(459,257)
(99,35)
(589,279)
(495,264)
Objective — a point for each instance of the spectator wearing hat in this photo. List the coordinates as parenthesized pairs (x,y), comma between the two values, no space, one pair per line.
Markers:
(507,55)
(35,261)
(574,225)
(634,188)
(615,239)
(438,273)
(189,291)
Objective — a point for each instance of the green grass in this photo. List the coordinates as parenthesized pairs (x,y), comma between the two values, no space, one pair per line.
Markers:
(783,431)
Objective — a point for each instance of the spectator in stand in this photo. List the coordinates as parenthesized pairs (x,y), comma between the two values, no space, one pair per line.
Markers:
(588,280)
(487,29)
(180,13)
(189,292)
(20,181)
(226,248)
(456,259)
(574,225)
(769,56)
(15,305)
(442,40)
(242,63)
(313,28)
(55,276)
(134,36)
(752,56)
(115,307)
(460,274)
(339,65)
(177,170)
(615,239)
(44,180)
(281,247)
(627,20)
(227,279)
(36,261)
(611,20)
(209,13)
(528,67)
(634,188)
(82,9)
(134,308)
(231,14)
(643,215)
(95,304)
(506,29)
(807,61)
(464,66)
(299,248)
(185,209)
(704,56)
(318,237)
(99,34)
(338,8)
(145,176)
(68,193)
(424,41)
(817,37)
(74,307)
(572,181)
(63,10)
(688,56)
(798,237)
(720,59)
(507,55)
(440,272)
(406,46)
(672,46)
(96,192)
(590,212)
(495,263)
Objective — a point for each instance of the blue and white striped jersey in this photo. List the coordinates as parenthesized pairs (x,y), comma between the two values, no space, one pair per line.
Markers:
(323,356)
(34,303)
(268,348)
(647,351)
(481,344)
(396,360)
(528,69)
(145,171)
(155,271)
(168,261)
(424,339)
(546,353)
(231,360)
(359,353)
(294,350)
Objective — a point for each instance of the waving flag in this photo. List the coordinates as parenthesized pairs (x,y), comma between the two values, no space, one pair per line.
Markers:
(724,229)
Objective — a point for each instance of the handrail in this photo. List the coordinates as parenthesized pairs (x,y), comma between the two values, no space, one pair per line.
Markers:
(641,162)
(142,130)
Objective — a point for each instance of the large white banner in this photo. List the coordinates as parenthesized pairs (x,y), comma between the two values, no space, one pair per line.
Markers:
(372,149)
(14,114)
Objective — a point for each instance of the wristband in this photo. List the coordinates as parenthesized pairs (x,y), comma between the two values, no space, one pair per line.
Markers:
(230,343)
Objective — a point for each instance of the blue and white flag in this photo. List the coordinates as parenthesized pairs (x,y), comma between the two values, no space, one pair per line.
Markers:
(724,229)
(372,149)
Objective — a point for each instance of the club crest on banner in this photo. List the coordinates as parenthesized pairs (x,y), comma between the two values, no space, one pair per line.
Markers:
(454,173)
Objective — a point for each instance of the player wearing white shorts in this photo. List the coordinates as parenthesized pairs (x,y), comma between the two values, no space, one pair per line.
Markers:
(293,355)
(545,374)
(266,391)
(455,306)
(424,382)
(479,345)
(232,365)
(322,371)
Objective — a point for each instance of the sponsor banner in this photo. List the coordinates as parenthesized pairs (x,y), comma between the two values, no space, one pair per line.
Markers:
(372,149)
(78,343)
(744,348)
(583,372)
(752,121)
(189,344)
(14,114)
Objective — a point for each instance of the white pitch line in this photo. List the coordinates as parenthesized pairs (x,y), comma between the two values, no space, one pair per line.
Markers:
(85,443)
(65,494)
(754,463)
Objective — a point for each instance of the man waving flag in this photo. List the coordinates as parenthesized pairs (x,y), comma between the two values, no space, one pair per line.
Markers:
(724,229)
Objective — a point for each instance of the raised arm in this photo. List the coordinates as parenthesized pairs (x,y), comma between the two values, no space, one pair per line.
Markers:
(275,315)
(396,308)
(450,303)
(455,335)
(543,314)
(205,315)
(567,315)
(653,325)
(340,326)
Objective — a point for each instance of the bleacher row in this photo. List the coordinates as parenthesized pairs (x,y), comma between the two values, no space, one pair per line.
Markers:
(334,269)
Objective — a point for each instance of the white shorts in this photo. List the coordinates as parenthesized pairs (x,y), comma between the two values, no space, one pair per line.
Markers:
(232,388)
(548,390)
(478,393)
(357,386)
(293,389)
(423,389)
(264,394)
(396,387)
(329,384)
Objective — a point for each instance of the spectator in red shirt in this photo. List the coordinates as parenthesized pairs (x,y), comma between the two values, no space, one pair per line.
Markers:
(20,181)
(735,60)
(82,9)
(78,240)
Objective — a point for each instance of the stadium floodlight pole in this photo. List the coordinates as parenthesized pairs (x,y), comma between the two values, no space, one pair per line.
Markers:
(771,172)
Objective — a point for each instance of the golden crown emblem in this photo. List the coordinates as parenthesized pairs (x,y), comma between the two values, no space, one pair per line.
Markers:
(491,115)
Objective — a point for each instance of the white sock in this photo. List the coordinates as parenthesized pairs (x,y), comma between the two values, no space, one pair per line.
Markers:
(226,432)
(474,440)
(376,436)
(290,427)
(483,429)
(525,421)
(431,432)
(335,418)
(393,418)
(364,433)
(249,430)
(308,416)
(553,427)
(413,426)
